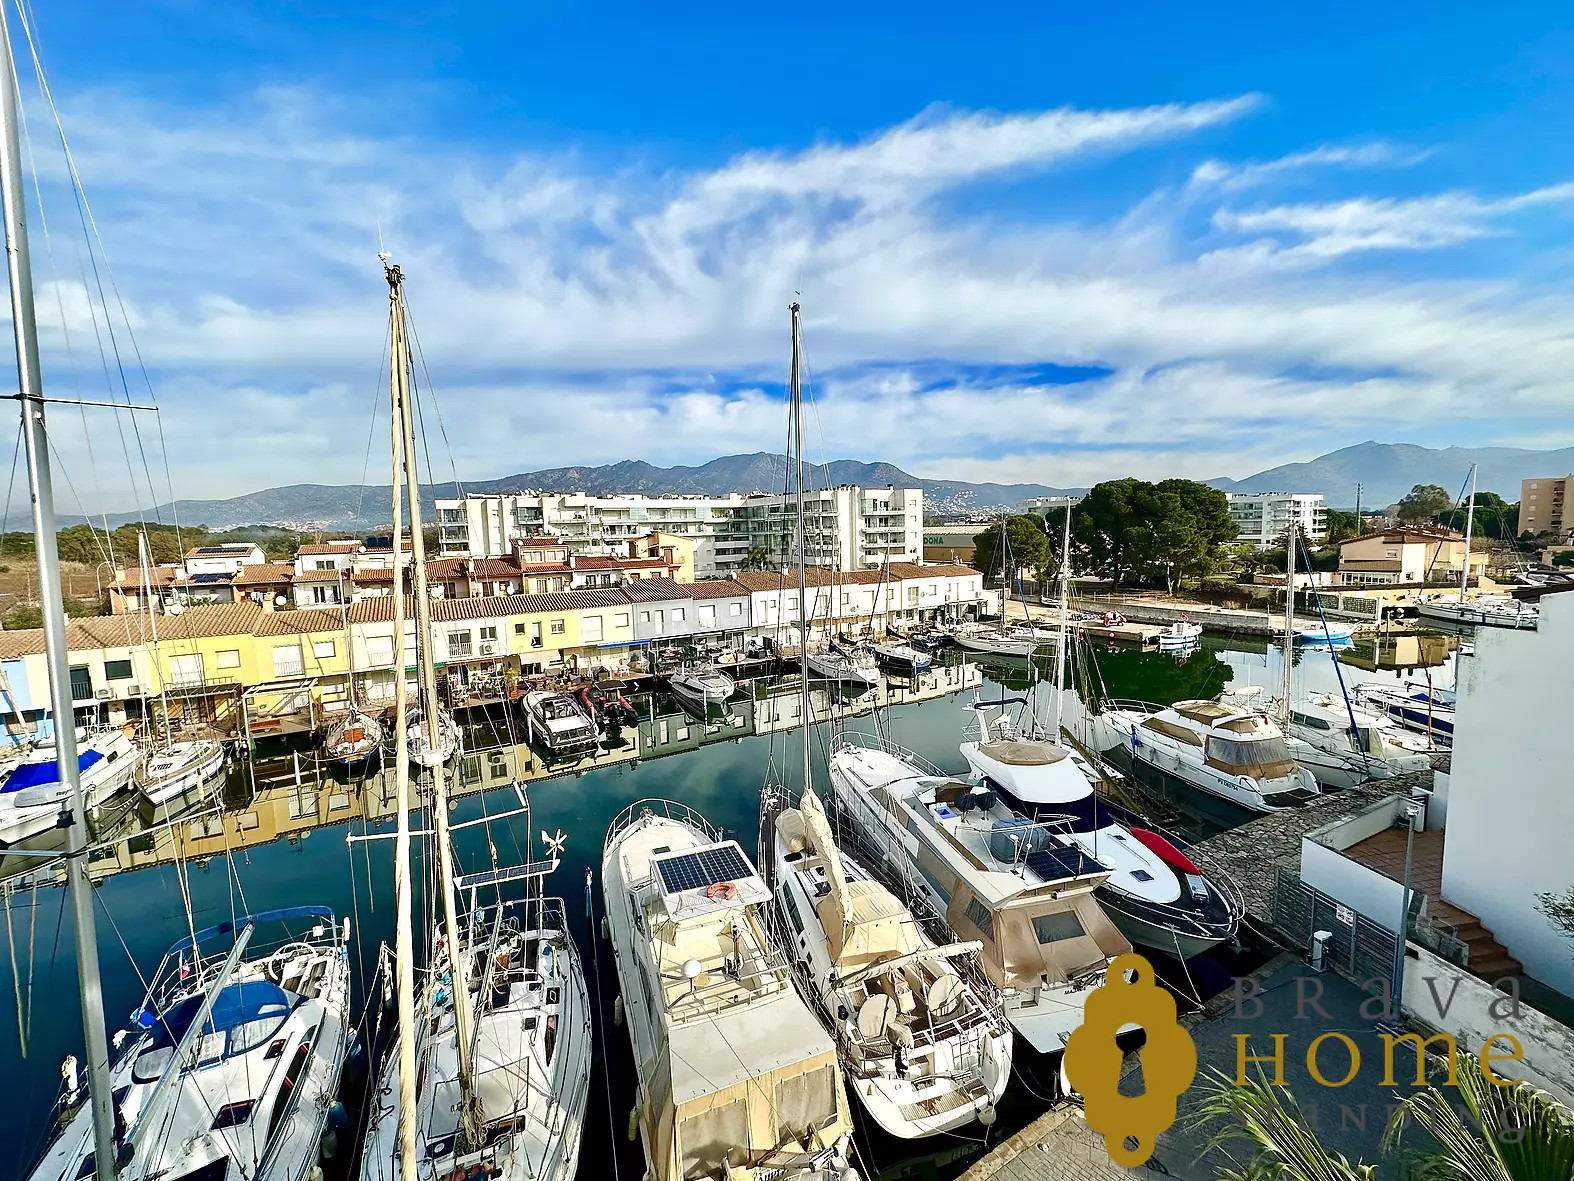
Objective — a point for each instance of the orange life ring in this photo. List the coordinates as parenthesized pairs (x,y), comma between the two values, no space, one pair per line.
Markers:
(721,892)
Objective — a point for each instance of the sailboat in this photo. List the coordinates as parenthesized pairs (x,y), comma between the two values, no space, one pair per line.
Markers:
(357,736)
(232,1059)
(1004,638)
(918,1028)
(492,1080)
(177,771)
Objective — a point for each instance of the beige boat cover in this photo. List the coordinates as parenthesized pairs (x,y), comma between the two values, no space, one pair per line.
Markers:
(1019,953)
(873,926)
(1022,754)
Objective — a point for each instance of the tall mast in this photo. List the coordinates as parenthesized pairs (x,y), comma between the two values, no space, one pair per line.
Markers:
(795,402)
(1005,578)
(1065,621)
(463,1017)
(404,938)
(1470,520)
(30,385)
(1289,620)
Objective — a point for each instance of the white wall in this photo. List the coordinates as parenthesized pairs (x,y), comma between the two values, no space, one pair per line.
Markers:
(1351,883)
(1511,792)
(1547,1046)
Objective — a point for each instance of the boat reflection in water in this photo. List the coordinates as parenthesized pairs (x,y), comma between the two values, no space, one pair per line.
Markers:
(267,799)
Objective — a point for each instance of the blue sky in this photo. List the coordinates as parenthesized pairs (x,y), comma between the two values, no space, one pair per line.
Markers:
(1033,242)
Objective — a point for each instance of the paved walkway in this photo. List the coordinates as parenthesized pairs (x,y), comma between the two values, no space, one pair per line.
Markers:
(1058,1146)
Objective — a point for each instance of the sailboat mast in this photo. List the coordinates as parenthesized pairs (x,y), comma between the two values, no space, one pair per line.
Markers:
(795,402)
(404,936)
(1065,621)
(1289,620)
(1470,521)
(463,1016)
(31,389)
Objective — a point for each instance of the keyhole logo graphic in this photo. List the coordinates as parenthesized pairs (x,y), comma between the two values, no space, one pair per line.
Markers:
(1093,1060)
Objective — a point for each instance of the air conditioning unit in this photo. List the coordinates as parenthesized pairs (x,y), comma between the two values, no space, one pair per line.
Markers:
(101,694)
(486,649)
(133,690)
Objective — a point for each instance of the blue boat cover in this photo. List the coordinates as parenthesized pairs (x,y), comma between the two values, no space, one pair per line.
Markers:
(249,1000)
(38,774)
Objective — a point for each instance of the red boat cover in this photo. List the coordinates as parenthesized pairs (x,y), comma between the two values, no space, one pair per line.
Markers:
(1167,853)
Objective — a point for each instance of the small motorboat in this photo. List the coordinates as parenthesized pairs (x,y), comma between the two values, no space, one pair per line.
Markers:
(1327,633)
(432,750)
(558,722)
(354,738)
(1181,634)
(180,770)
(32,793)
(703,686)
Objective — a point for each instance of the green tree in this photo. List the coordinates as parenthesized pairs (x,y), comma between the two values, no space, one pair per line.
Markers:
(1494,518)
(1342,526)
(758,558)
(1027,542)
(23,615)
(1423,502)
(1170,530)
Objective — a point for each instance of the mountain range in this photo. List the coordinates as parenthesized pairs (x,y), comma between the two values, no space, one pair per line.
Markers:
(1386,472)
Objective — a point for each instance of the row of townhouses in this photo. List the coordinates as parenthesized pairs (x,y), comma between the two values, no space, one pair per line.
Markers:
(208,655)
(847,527)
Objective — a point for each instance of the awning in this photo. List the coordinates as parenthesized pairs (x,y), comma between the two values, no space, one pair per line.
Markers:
(626,644)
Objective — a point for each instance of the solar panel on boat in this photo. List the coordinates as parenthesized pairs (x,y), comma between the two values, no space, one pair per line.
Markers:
(1054,864)
(691,871)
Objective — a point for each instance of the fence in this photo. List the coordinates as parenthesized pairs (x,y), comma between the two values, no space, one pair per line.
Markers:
(1360,948)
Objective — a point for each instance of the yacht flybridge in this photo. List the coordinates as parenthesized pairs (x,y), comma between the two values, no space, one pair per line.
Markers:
(994,876)
(233,1058)
(1232,753)
(736,1077)
(1155,893)
(923,1041)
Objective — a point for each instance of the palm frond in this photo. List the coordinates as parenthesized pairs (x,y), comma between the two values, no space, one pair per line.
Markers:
(1270,1122)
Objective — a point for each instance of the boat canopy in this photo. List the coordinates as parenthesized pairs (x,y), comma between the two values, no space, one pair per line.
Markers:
(1037,941)
(874,926)
(244,1015)
(45,771)
(240,924)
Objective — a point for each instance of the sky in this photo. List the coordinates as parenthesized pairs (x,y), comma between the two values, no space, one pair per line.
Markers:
(1041,243)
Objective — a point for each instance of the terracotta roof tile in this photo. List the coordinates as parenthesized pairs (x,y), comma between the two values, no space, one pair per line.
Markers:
(716,588)
(318,576)
(649,590)
(290,623)
(329,547)
(264,574)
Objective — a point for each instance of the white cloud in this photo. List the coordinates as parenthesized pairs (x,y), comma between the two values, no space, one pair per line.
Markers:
(582,310)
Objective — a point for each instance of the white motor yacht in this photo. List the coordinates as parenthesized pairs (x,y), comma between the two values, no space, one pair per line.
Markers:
(32,794)
(1415,706)
(1376,748)
(703,686)
(923,1041)
(532,1055)
(180,771)
(1180,634)
(1155,893)
(1235,754)
(992,875)
(1487,611)
(233,1060)
(736,1078)
(558,722)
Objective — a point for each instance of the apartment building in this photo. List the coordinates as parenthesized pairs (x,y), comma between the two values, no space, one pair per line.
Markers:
(1264,517)
(1542,504)
(1407,555)
(849,527)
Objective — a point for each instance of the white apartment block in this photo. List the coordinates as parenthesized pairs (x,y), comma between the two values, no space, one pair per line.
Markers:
(1264,517)
(849,527)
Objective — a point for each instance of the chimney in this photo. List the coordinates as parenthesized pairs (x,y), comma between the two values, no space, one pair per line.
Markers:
(571,557)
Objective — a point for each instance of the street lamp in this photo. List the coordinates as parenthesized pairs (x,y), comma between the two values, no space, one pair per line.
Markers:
(1409,811)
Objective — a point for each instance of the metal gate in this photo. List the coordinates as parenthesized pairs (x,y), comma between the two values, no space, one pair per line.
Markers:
(1360,949)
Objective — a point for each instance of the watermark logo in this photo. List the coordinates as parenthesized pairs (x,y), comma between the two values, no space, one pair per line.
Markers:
(1130,995)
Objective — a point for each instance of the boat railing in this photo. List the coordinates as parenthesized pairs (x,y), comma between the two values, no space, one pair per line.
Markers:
(864,741)
(1130,704)
(667,809)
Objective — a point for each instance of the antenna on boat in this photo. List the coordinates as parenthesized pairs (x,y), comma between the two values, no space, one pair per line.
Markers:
(30,393)
(796,407)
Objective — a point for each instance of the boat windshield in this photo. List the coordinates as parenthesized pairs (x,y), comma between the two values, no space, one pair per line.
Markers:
(1265,757)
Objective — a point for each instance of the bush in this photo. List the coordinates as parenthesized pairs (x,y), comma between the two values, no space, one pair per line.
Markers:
(23,616)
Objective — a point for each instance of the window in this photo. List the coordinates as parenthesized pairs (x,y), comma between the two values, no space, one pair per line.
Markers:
(623,619)
(321,564)
(320,594)
(644,616)
(677,615)
(1051,928)
(117,670)
(737,609)
(707,615)
(287,660)
(488,634)
(519,629)
(323,649)
(81,683)
(792,910)
(458,644)
(590,629)
(186,670)
(557,627)
(981,918)
(535,634)
(380,652)
(225,658)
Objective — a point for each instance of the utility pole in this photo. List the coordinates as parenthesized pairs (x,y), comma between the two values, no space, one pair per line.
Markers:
(1358,507)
